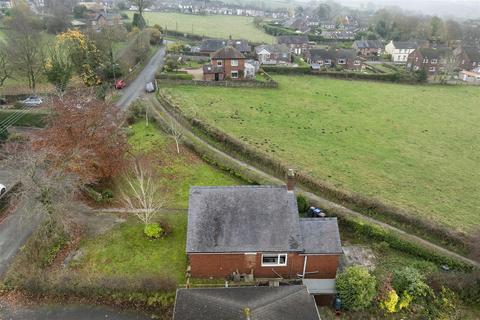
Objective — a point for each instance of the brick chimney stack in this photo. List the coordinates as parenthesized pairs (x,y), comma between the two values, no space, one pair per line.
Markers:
(291,180)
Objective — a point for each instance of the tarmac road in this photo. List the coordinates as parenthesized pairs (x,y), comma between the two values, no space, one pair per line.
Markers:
(137,86)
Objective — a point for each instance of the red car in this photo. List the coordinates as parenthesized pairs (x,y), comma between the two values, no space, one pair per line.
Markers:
(120,84)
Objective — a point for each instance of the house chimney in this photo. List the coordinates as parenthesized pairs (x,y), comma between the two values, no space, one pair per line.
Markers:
(291,180)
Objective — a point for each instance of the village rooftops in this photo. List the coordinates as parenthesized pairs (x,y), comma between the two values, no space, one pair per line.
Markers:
(430,53)
(368,44)
(255,219)
(227,52)
(263,303)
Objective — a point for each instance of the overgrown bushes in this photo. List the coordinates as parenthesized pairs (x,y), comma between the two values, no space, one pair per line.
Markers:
(356,287)
(175,76)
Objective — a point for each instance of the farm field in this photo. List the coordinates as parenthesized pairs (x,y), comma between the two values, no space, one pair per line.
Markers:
(416,147)
(215,26)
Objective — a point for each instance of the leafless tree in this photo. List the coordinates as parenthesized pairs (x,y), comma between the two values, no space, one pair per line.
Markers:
(24,43)
(142,194)
(141,5)
(5,69)
(176,134)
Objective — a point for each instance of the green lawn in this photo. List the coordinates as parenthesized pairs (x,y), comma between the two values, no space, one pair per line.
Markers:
(415,147)
(215,26)
(125,251)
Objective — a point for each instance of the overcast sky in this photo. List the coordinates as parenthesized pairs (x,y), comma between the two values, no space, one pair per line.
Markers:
(466,9)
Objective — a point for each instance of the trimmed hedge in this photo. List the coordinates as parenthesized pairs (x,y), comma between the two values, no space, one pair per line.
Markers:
(175,76)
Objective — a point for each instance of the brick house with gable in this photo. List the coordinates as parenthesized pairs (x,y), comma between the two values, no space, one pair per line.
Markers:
(468,58)
(428,59)
(226,63)
(257,230)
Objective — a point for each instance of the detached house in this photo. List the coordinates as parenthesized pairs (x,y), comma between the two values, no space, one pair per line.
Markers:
(273,54)
(226,63)
(368,48)
(331,58)
(298,44)
(257,230)
(106,19)
(468,58)
(430,60)
(400,50)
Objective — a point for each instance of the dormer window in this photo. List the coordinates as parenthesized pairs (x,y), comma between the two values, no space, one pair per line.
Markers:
(219,63)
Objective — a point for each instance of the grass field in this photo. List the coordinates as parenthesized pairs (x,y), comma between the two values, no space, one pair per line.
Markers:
(417,147)
(125,251)
(215,26)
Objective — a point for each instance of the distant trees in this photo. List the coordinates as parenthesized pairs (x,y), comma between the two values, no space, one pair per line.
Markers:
(24,45)
(324,11)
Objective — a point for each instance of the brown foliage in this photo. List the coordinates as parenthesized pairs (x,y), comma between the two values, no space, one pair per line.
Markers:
(85,137)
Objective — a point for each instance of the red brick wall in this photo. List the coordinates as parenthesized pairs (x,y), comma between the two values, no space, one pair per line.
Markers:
(223,265)
(228,68)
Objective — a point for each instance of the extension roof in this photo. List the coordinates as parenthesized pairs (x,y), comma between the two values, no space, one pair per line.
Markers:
(265,303)
(227,52)
(255,219)
(274,48)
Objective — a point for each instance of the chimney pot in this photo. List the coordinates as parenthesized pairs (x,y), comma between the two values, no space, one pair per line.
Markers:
(291,180)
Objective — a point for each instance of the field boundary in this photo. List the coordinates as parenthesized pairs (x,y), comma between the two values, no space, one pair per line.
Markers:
(353,220)
(230,84)
(346,198)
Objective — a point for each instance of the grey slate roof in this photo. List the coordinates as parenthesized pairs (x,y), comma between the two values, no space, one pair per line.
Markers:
(368,44)
(265,303)
(433,53)
(274,48)
(320,235)
(472,53)
(322,54)
(212,45)
(227,52)
(243,219)
(292,39)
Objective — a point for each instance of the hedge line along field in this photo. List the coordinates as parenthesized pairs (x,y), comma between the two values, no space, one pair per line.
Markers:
(215,26)
(415,147)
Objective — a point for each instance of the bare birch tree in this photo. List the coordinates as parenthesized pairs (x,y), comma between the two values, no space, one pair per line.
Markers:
(176,134)
(142,194)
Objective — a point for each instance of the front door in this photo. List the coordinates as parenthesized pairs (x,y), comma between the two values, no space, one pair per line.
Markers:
(216,76)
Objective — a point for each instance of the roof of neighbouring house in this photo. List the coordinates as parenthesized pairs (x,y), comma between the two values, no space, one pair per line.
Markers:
(108,16)
(264,303)
(433,53)
(322,54)
(472,53)
(212,45)
(273,48)
(368,44)
(320,235)
(292,39)
(255,219)
(242,219)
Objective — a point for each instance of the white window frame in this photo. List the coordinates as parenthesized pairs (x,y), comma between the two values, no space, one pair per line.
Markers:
(231,74)
(431,69)
(356,62)
(328,61)
(433,61)
(342,61)
(234,63)
(219,63)
(277,264)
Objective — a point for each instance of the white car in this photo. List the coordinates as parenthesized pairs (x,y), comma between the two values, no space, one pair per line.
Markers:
(150,87)
(3,189)
(32,101)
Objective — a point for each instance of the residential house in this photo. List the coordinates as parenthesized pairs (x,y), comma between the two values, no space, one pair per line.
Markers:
(273,54)
(106,19)
(257,230)
(468,58)
(209,46)
(339,34)
(332,58)
(399,50)
(428,59)
(368,48)
(298,44)
(472,76)
(291,302)
(226,63)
